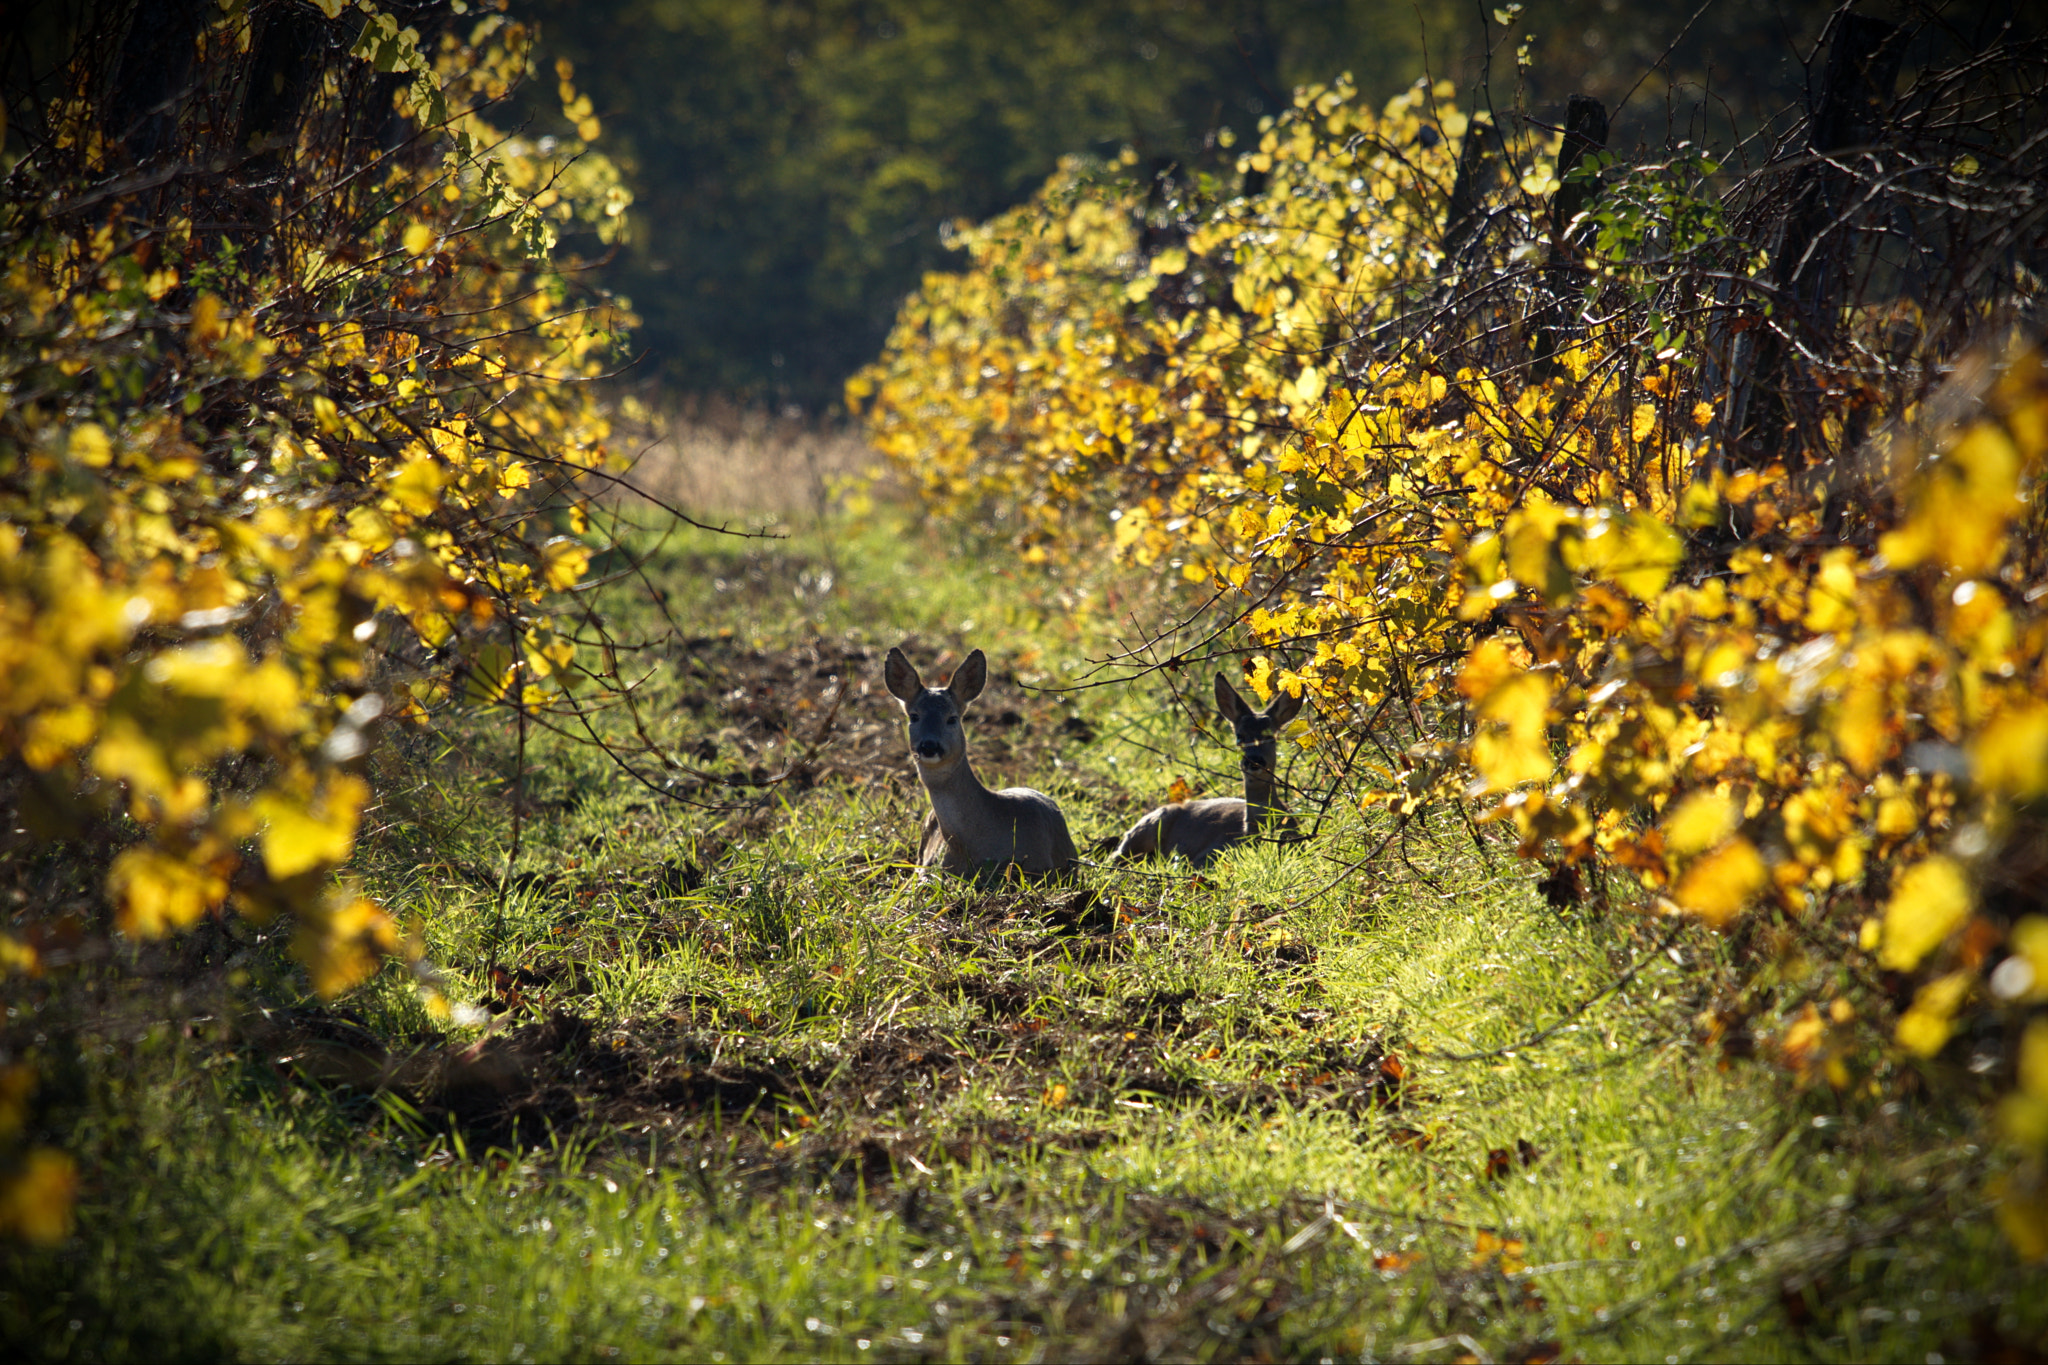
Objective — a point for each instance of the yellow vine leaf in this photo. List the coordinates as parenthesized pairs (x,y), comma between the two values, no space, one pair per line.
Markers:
(490,675)
(53,736)
(1860,726)
(1831,604)
(1960,515)
(1897,816)
(2029,943)
(1640,553)
(1533,555)
(36,1200)
(89,445)
(300,836)
(155,892)
(1171,261)
(1485,669)
(340,945)
(1930,901)
(1308,386)
(211,668)
(1513,745)
(567,561)
(1699,504)
(2023,1114)
(1651,554)
(417,486)
(1700,822)
(2010,755)
(1925,1028)
(17,956)
(2033,1068)
(2023,1210)
(207,325)
(1721,885)
(371,529)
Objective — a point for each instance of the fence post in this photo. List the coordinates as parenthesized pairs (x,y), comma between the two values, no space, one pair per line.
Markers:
(1464,216)
(1815,248)
(1585,131)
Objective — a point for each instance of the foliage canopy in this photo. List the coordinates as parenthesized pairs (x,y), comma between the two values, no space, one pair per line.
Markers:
(295,440)
(1690,521)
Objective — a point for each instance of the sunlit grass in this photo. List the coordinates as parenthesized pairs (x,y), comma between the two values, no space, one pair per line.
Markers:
(1222,1115)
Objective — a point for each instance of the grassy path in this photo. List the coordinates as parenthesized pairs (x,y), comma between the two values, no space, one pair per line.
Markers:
(749,1092)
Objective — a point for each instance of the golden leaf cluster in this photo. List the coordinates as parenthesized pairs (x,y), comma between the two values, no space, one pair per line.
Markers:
(1762,696)
(260,497)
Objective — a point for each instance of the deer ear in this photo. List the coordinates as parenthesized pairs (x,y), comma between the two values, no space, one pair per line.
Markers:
(1285,707)
(900,678)
(1227,701)
(969,679)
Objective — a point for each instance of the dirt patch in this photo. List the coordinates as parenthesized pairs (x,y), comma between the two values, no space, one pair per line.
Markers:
(889,1084)
(553,1074)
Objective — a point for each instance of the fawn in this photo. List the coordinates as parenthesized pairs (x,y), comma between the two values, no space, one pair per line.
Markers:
(1199,830)
(971,830)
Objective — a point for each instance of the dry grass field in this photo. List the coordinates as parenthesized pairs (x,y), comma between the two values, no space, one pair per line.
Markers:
(720,459)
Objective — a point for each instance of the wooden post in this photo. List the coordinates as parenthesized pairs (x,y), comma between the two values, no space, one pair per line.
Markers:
(1465,214)
(1814,251)
(1585,131)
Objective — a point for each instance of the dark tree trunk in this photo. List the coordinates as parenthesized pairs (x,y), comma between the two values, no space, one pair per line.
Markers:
(150,80)
(289,57)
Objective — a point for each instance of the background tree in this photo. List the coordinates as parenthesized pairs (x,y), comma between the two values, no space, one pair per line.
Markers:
(798,162)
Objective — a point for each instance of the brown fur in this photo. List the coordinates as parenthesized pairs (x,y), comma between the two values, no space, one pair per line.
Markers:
(1199,830)
(971,831)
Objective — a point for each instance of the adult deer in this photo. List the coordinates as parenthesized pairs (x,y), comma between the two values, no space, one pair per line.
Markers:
(1199,830)
(971,830)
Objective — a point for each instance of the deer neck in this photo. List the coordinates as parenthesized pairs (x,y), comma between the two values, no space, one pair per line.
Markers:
(957,795)
(1258,791)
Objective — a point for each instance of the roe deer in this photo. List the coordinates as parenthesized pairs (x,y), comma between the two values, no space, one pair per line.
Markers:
(971,829)
(1199,830)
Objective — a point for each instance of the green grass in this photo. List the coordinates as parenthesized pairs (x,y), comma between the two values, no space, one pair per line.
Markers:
(753,1092)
